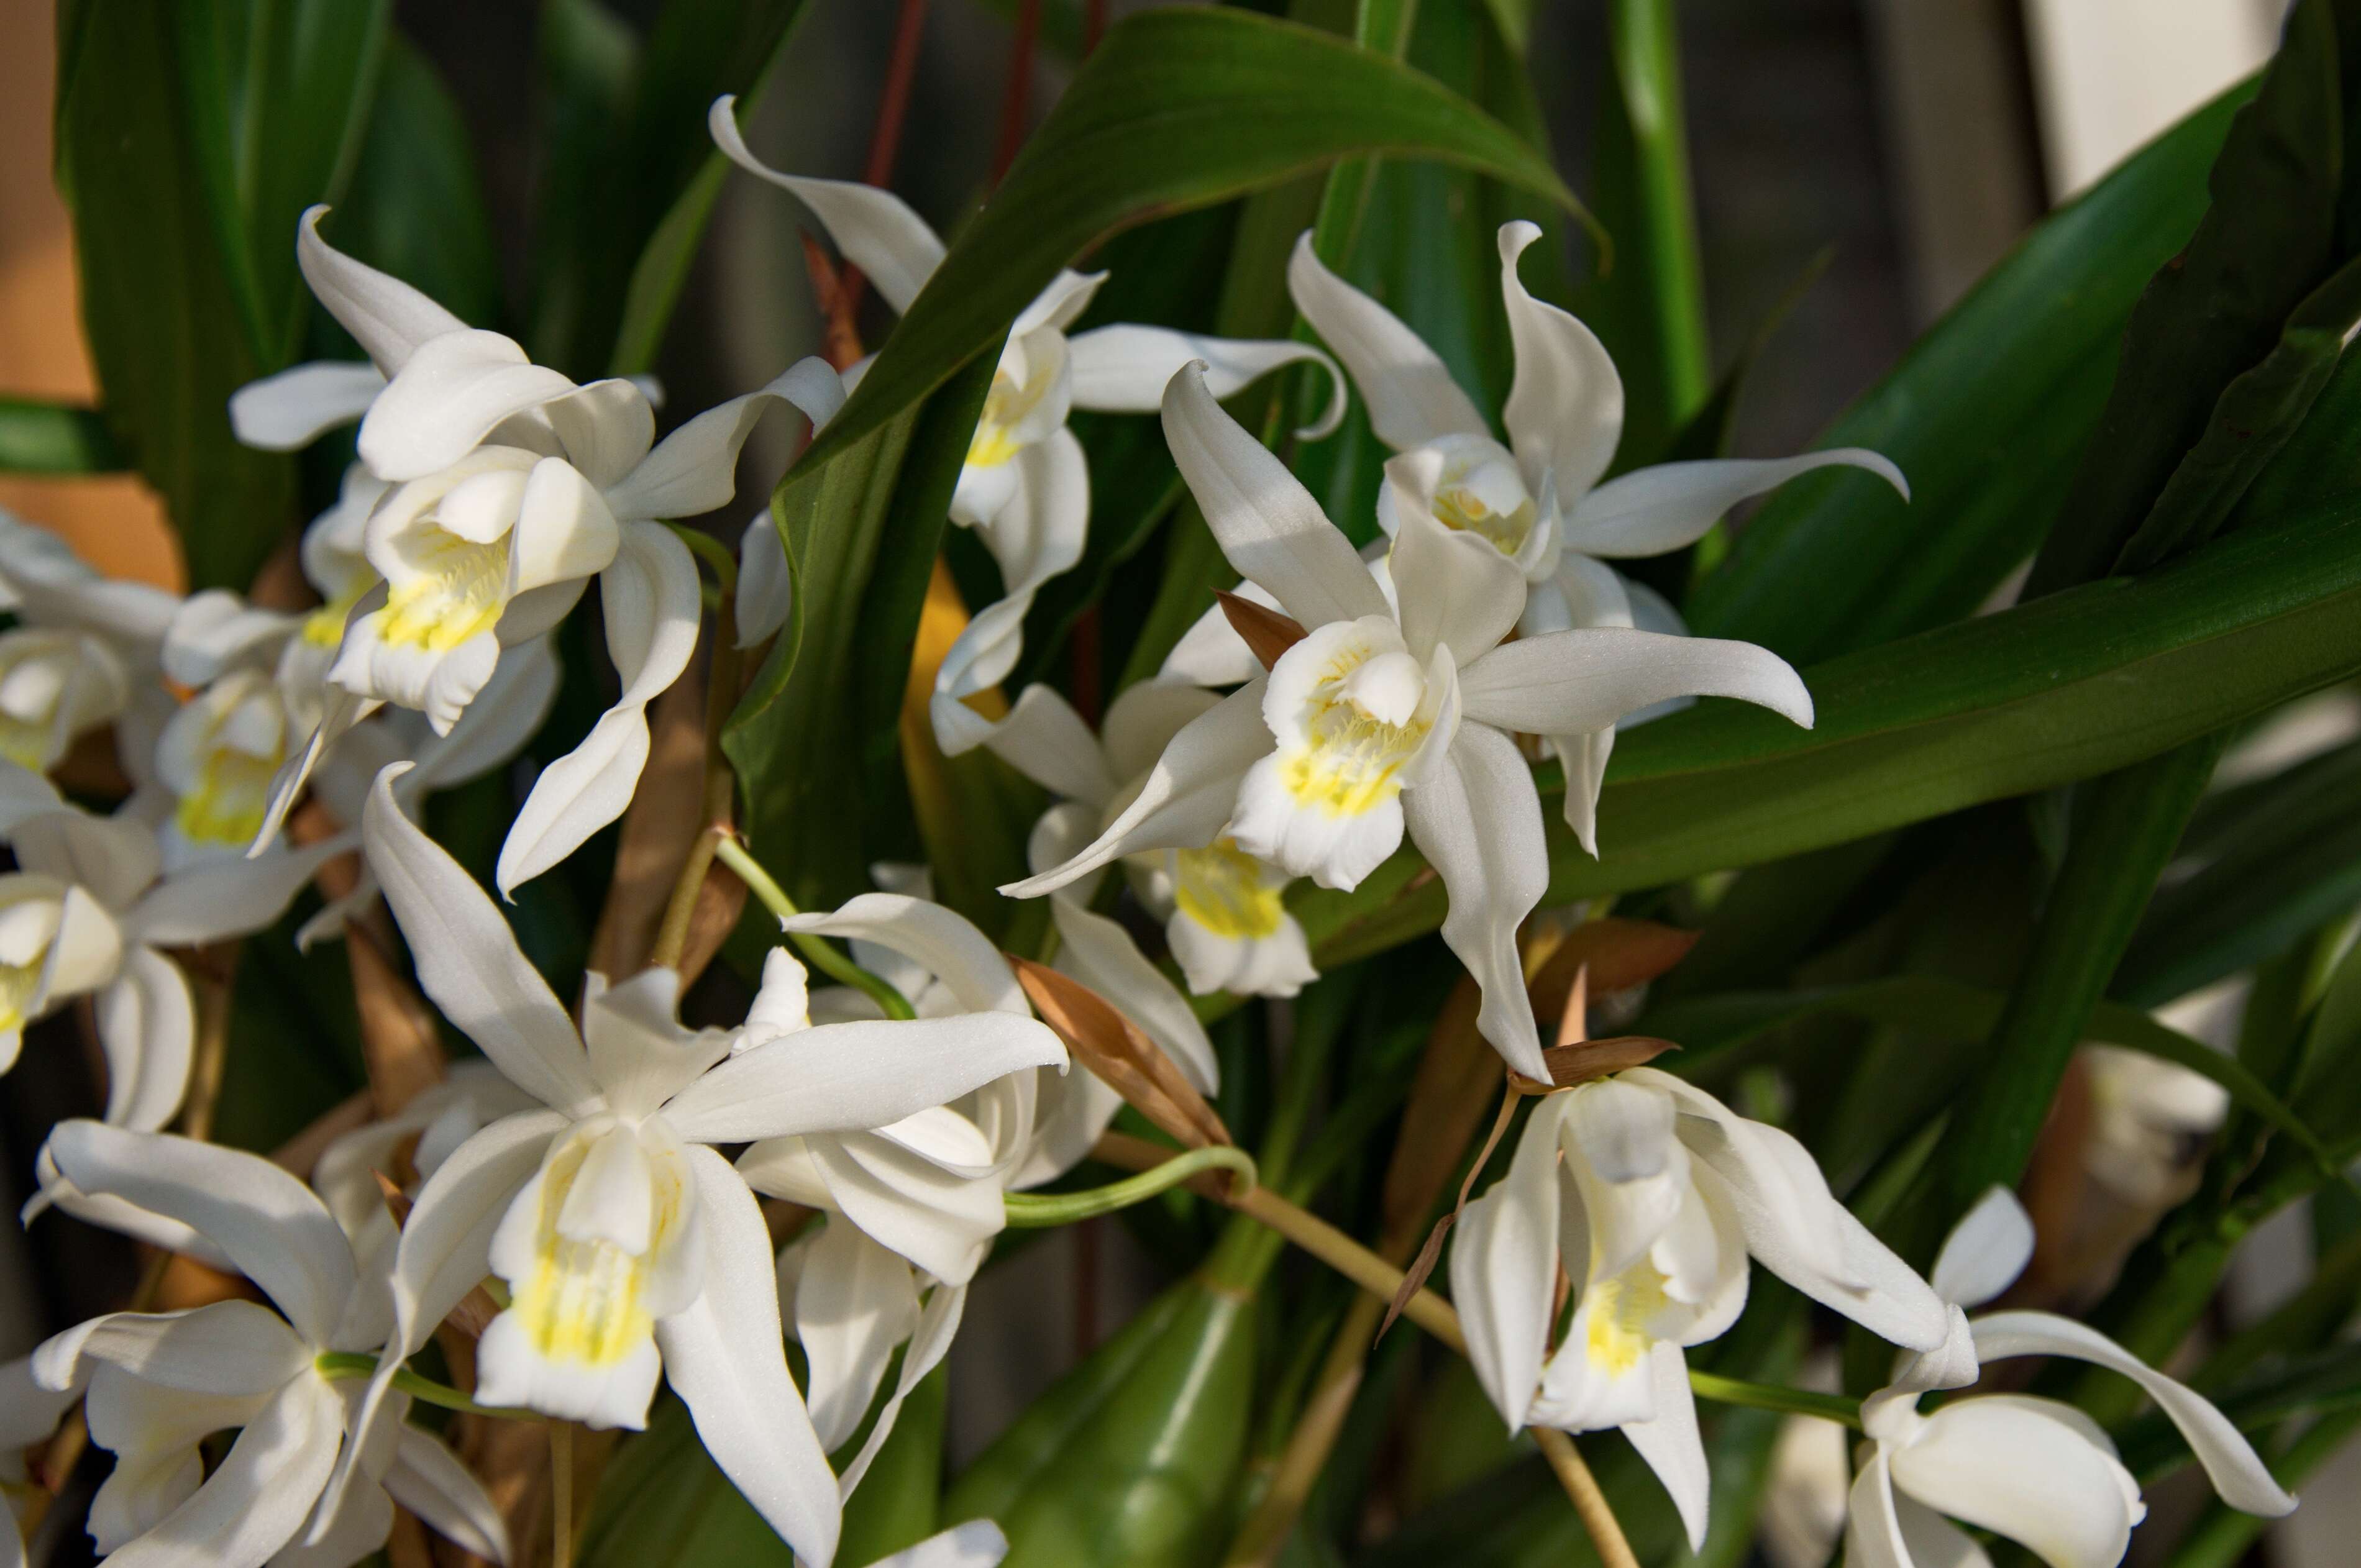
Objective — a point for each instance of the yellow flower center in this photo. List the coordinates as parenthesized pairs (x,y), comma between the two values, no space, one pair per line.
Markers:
(232,794)
(325,627)
(1461,509)
(18,986)
(994,445)
(1354,762)
(459,595)
(1619,1311)
(1225,890)
(24,743)
(584,1300)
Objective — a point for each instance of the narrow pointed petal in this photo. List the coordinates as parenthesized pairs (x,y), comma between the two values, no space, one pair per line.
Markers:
(1504,1267)
(1985,1251)
(1188,796)
(726,1358)
(447,398)
(1568,682)
(231,1348)
(766,587)
(281,1236)
(1125,368)
(650,599)
(875,229)
(233,898)
(1652,510)
(292,409)
(693,470)
(856,1304)
(1044,739)
(386,316)
(469,961)
(939,942)
(1874,1537)
(938,1325)
(1269,525)
(1409,392)
(850,1078)
(1211,653)
(1564,412)
(428,1479)
(1671,1445)
(2230,1461)
(2008,1467)
(1100,954)
(1477,819)
(251,1507)
(148,1027)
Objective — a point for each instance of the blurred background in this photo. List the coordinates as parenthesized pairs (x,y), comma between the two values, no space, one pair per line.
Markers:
(1880,153)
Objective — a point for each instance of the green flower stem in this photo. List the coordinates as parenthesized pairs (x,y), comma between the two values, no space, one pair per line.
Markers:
(712,551)
(1769,1396)
(824,958)
(344,1364)
(1030,1212)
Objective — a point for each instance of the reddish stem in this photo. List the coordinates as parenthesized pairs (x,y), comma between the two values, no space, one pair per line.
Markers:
(885,139)
(1094,20)
(1020,86)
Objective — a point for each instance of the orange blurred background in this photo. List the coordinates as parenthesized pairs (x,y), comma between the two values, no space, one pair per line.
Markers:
(117,523)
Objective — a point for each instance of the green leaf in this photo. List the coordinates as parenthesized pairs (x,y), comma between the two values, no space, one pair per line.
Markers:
(2276,860)
(2062,690)
(311,76)
(416,208)
(144,161)
(1987,413)
(2268,239)
(54,438)
(899,1502)
(1178,108)
(633,172)
(814,741)
(663,1502)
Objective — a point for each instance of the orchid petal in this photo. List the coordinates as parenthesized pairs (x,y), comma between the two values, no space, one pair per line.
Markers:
(1565,683)
(448,396)
(1504,1265)
(1564,412)
(1477,819)
(941,1219)
(1874,1537)
(113,856)
(938,1324)
(1060,305)
(856,1303)
(1044,739)
(428,1480)
(1985,1251)
(726,1357)
(694,469)
(1211,653)
(1188,796)
(853,1078)
(1669,1443)
(386,316)
(1125,368)
(469,961)
(290,411)
(216,631)
(978,1543)
(1100,954)
(257,1501)
(1268,526)
(1408,391)
(875,229)
(2016,1470)
(235,898)
(940,942)
(766,587)
(281,1236)
(650,598)
(111,1212)
(2230,1461)
(1652,510)
(1457,590)
(148,1027)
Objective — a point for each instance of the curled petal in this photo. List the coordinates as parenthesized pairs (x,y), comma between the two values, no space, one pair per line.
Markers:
(1565,683)
(1564,412)
(875,229)
(449,395)
(1504,1264)
(1653,511)
(931,1342)
(1985,1251)
(856,1303)
(695,468)
(939,942)
(257,1501)
(766,587)
(148,1027)
(1124,368)
(650,597)
(386,316)
(2012,1467)
(1409,391)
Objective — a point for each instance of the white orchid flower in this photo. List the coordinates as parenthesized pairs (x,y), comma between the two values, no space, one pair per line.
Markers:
(1651,1195)
(512,489)
(43,583)
(84,652)
(159,1384)
(2036,1471)
(1537,499)
(55,687)
(86,913)
(978,1543)
(1224,912)
(1024,486)
(1396,714)
(629,1245)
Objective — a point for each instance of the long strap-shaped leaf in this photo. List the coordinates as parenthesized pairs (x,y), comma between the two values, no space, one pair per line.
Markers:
(1178,108)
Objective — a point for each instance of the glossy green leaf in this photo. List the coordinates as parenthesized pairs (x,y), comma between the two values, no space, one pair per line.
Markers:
(1987,413)
(2275,859)
(1178,108)
(814,741)
(2268,239)
(54,438)
(663,1502)
(2062,690)
(416,207)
